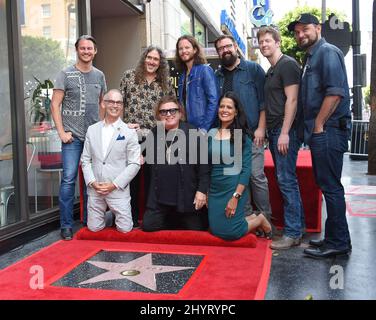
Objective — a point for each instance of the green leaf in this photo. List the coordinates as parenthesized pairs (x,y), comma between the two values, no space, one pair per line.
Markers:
(288,43)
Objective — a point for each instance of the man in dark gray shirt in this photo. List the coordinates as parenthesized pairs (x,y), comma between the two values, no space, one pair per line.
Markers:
(79,91)
(281,97)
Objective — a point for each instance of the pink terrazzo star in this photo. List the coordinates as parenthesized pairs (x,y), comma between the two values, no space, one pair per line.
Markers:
(143,264)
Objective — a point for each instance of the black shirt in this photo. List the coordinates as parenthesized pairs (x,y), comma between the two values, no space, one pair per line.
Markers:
(168,181)
(229,76)
(285,73)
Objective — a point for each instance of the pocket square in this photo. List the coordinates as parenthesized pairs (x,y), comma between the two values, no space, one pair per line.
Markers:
(120,137)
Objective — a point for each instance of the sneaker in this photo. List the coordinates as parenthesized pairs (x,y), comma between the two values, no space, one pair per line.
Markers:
(66,234)
(285,243)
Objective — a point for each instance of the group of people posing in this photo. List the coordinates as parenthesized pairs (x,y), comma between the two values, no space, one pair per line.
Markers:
(202,153)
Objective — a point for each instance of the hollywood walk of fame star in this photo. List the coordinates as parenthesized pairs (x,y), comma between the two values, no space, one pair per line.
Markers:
(144,265)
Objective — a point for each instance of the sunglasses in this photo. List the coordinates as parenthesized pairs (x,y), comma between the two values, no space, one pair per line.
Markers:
(165,112)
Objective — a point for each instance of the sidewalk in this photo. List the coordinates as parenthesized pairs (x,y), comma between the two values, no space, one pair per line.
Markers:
(294,276)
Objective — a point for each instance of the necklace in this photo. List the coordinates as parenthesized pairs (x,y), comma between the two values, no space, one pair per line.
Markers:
(168,148)
(279,58)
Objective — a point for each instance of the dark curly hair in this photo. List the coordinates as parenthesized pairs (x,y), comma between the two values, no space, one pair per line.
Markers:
(240,120)
(199,57)
(163,72)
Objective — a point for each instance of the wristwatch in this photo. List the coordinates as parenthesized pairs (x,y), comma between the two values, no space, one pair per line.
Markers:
(236,195)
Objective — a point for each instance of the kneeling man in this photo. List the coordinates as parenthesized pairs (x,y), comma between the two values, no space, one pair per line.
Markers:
(110,160)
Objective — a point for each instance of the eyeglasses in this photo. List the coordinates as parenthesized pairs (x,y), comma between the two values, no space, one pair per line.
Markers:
(112,102)
(226,47)
(164,112)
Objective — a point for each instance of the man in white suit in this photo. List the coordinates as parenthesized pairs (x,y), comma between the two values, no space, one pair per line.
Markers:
(110,160)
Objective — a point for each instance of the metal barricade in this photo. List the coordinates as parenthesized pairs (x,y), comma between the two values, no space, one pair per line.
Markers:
(359,139)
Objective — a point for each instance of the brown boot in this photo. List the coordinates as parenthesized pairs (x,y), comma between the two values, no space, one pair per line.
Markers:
(285,243)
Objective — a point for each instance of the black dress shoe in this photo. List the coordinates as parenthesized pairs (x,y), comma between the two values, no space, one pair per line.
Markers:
(319,243)
(323,252)
(316,243)
(66,234)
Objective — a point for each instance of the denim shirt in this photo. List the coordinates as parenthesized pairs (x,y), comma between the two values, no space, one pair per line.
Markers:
(201,96)
(248,84)
(324,74)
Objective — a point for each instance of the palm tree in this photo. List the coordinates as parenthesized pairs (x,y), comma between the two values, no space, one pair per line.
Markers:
(372,120)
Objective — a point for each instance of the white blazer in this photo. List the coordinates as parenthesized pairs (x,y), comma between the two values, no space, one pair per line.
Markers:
(120,164)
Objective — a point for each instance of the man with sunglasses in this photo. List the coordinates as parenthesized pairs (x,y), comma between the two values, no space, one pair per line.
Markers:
(110,160)
(179,181)
(79,91)
(247,79)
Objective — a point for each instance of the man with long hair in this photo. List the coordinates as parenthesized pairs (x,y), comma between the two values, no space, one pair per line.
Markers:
(197,84)
(142,88)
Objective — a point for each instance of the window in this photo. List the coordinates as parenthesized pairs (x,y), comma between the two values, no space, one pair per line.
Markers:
(47,48)
(8,213)
(186,16)
(191,25)
(46,10)
(47,31)
(200,33)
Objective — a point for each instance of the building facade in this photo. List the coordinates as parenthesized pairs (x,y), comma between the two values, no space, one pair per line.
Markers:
(37,40)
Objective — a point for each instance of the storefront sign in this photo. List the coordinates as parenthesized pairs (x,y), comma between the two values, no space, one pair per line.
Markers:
(255,44)
(227,23)
(261,14)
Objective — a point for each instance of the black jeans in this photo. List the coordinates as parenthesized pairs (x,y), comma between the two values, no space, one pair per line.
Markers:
(167,218)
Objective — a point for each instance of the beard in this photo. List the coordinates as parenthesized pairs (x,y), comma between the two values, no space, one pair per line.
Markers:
(228,60)
(311,41)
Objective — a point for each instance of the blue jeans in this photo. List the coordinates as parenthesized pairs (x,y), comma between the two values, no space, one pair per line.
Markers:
(71,154)
(327,150)
(285,173)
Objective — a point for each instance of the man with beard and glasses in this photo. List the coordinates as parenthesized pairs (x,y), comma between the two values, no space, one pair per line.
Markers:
(198,92)
(324,97)
(247,80)
(281,99)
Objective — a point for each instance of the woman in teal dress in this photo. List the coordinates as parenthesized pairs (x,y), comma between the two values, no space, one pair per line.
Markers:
(230,148)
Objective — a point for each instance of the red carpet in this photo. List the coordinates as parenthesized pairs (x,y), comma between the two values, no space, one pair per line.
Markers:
(231,273)
(309,191)
(181,237)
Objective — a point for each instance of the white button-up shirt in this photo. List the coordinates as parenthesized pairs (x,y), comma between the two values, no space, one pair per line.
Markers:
(108,131)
